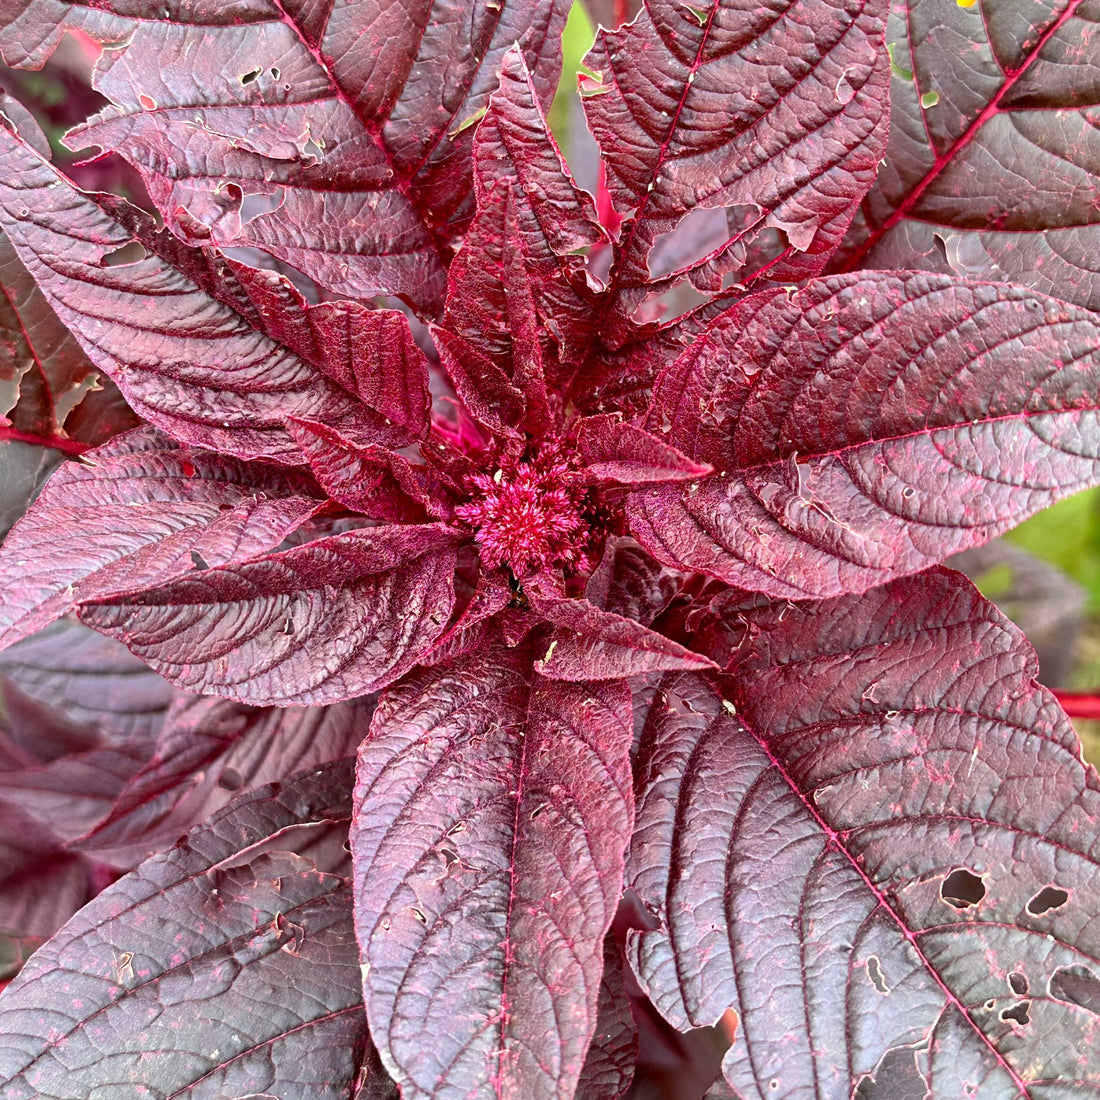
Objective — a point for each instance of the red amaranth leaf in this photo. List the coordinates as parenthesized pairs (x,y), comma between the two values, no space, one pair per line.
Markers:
(993,162)
(884,861)
(212,968)
(609,1066)
(869,425)
(481,921)
(325,621)
(210,750)
(590,644)
(349,126)
(776,115)
(368,478)
(137,512)
(628,455)
(185,361)
(529,212)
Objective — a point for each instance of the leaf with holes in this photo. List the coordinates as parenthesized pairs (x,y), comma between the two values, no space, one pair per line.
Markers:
(770,119)
(892,889)
(982,92)
(198,971)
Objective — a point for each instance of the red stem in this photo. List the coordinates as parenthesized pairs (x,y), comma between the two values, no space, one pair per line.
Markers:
(58,442)
(1079,704)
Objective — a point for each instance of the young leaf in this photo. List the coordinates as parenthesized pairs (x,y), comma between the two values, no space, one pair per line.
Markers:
(137,512)
(211,968)
(880,861)
(481,920)
(779,111)
(993,161)
(322,622)
(867,426)
(186,362)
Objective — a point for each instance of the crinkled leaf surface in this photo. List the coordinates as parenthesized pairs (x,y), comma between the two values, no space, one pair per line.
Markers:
(137,512)
(879,848)
(211,970)
(869,425)
(185,361)
(609,1066)
(325,621)
(481,918)
(775,115)
(347,125)
(994,160)
(211,749)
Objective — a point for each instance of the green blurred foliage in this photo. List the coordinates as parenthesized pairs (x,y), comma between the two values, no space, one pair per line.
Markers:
(576,41)
(1068,536)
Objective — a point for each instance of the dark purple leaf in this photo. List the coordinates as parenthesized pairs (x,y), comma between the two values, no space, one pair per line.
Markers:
(850,847)
(186,362)
(629,582)
(322,622)
(609,1066)
(776,116)
(518,163)
(211,749)
(993,162)
(346,126)
(134,513)
(481,920)
(216,967)
(590,644)
(868,426)
(92,680)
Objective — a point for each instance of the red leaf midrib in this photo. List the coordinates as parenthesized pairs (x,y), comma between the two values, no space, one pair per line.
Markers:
(944,159)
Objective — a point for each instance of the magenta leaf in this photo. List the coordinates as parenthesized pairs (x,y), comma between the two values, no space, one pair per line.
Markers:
(869,425)
(516,160)
(773,117)
(348,127)
(217,966)
(137,512)
(318,623)
(481,920)
(873,847)
(210,750)
(590,644)
(992,164)
(629,455)
(186,362)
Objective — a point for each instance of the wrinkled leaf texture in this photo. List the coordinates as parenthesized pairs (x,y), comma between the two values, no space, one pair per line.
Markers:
(868,425)
(327,117)
(224,966)
(773,115)
(482,918)
(875,840)
(992,165)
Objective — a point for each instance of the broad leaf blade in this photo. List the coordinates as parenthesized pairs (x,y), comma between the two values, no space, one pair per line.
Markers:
(139,511)
(993,160)
(325,621)
(212,969)
(776,114)
(868,426)
(883,863)
(185,361)
(481,920)
(357,156)
(212,749)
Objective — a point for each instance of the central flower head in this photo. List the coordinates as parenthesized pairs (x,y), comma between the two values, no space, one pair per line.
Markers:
(529,515)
